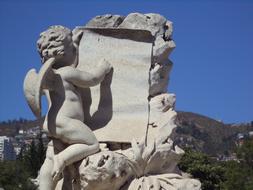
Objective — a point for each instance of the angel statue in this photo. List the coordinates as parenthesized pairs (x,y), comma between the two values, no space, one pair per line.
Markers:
(59,79)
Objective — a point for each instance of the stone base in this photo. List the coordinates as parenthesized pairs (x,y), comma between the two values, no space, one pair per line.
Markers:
(145,167)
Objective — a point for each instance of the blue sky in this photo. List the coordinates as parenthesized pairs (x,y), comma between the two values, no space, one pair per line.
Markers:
(213,60)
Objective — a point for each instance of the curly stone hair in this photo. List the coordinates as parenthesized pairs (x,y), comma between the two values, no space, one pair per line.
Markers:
(53,42)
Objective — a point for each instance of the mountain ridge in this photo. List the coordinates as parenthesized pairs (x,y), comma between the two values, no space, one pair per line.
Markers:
(194,130)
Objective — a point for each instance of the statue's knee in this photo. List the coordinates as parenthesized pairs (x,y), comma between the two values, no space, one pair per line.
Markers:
(96,146)
(46,168)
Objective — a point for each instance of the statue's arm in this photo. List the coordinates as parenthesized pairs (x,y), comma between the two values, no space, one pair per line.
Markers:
(85,79)
(49,82)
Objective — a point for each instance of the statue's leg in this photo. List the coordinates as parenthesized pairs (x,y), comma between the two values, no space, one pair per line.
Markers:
(70,155)
(81,140)
(73,131)
(45,178)
(70,173)
(69,177)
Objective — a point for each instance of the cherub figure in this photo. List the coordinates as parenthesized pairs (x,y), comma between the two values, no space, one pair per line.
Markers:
(60,80)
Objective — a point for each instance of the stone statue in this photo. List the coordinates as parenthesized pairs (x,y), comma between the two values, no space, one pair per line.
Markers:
(110,115)
(71,139)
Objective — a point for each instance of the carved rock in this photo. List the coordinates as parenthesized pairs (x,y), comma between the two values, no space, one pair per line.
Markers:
(105,21)
(147,167)
(153,22)
(164,182)
(103,171)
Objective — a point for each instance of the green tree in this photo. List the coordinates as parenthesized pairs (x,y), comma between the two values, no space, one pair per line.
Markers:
(31,159)
(41,151)
(34,157)
(202,167)
(234,176)
(239,174)
(245,153)
(214,175)
(14,176)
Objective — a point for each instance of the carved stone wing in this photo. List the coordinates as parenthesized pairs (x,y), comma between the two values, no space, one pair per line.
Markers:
(30,82)
(33,84)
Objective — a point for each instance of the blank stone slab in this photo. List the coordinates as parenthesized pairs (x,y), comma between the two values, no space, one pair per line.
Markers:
(118,111)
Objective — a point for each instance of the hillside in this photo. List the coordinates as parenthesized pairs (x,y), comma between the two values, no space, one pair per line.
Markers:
(194,130)
(207,135)
(11,127)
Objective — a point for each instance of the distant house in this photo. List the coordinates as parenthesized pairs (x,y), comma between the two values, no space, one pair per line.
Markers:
(21,131)
(240,139)
(6,149)
(251,135)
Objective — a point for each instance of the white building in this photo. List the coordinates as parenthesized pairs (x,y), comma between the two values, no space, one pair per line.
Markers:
(21,131)
(6,149)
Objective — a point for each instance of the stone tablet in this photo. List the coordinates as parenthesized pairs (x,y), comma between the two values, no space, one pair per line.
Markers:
(118,111)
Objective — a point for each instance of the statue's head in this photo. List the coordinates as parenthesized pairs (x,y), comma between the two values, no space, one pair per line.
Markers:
(57,41)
